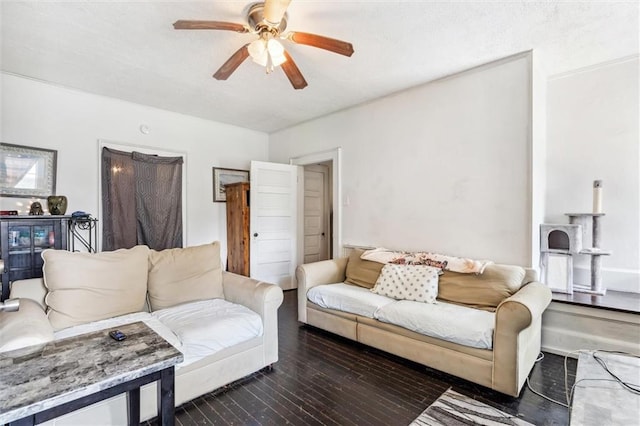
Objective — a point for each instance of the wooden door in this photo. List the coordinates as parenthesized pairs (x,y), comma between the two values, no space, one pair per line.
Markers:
(273,223)
(238,228)
(316,213)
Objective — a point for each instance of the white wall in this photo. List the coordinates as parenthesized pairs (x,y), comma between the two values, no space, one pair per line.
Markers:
(438,167)
(593,133)
(442,167)
(47,116)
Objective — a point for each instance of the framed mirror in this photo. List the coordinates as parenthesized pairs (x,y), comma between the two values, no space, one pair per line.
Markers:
(26,171)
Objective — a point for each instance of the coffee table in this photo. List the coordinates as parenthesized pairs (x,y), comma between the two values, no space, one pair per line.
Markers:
(42,382)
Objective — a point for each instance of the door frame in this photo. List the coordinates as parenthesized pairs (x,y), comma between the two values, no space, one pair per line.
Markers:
(334,156)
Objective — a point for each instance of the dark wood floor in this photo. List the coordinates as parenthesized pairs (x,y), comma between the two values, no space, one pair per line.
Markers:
(323,379)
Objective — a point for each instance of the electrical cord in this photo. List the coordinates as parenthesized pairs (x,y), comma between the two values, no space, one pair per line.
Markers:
(584,380)
(569,396)
(631,387)
(544,396)
(566,380)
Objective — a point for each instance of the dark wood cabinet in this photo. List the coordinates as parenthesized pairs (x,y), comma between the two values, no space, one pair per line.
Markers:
(22,240)
(238,228)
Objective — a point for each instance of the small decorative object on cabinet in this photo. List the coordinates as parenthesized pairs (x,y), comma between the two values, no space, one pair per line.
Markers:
(35,209)
(57,204)
(22,239)
(238,228)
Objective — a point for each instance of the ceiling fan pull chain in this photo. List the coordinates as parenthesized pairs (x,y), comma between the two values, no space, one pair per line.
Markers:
(269,63)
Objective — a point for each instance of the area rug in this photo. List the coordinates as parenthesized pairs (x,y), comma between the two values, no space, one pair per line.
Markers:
(452,409)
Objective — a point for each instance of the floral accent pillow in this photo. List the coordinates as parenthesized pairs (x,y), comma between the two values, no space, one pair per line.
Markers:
(408,282)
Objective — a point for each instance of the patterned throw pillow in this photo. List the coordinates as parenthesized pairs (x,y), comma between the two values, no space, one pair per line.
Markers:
(408,282)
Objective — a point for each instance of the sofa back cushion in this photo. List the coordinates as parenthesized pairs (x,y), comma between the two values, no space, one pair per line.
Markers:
(183,275)
(86,287)
(483,291)
(363,273)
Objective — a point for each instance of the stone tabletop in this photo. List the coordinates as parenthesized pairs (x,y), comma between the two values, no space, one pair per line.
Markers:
(40,377)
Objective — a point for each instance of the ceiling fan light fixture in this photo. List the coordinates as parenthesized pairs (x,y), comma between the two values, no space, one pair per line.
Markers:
(268,53)
(276,51)
(258,52)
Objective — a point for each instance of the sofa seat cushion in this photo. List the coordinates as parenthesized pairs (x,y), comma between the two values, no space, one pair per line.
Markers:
(111,323)
(208,326)
(348,298)
(446,321)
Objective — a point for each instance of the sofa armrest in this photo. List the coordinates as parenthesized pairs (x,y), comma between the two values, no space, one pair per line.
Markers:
(255,295)
(531,300)
(25,327)
(262,298)
(516,342)
(312,274)
(32,288)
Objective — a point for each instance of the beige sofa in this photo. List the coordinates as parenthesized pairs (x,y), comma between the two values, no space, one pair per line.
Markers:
(172,277)
(504,367)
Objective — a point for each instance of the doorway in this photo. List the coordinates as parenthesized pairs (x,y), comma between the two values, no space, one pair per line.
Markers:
(310,224)
(317,212)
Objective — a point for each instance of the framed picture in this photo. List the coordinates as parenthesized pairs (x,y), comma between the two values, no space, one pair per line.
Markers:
(222,177)
(26,171)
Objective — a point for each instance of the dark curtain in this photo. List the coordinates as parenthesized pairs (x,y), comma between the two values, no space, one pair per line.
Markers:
(118,200)
(141,200)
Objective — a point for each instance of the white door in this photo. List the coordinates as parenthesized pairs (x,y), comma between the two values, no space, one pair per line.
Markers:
(316,214)
(273,223)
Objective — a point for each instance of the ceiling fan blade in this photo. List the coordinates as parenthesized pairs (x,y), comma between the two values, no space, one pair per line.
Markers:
(293,73)
(209,25)
(232,63)
(274,10)
(326,43)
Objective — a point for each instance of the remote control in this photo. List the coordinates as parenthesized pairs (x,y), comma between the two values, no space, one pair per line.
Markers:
(117,335)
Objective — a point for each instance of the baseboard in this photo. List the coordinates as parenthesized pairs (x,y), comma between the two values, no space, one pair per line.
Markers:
(567,328)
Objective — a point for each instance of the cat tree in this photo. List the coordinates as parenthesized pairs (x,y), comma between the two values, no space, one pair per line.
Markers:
(559,243)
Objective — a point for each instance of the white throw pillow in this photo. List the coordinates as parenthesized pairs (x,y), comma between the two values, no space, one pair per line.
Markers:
(408,282)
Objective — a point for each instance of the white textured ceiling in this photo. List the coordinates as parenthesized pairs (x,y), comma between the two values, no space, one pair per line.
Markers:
(129,49)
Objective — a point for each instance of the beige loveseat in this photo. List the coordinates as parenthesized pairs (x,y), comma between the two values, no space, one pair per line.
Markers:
(98,290)
(516,333)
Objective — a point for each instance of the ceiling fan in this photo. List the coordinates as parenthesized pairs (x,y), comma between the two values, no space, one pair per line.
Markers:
(268,21)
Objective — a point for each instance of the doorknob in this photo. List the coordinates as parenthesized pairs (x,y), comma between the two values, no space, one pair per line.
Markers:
(322,234)
(255,234)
